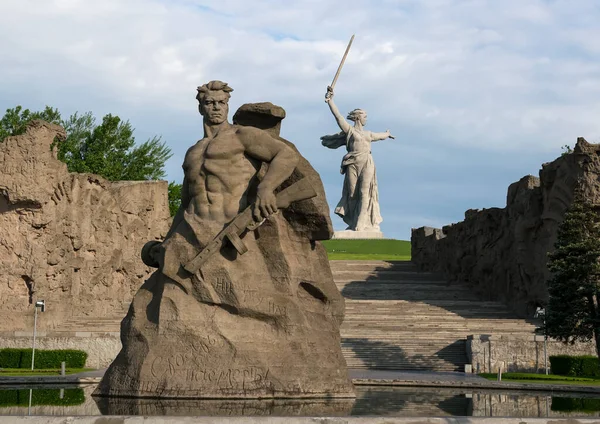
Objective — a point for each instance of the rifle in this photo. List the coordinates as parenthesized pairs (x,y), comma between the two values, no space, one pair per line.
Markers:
(300,190)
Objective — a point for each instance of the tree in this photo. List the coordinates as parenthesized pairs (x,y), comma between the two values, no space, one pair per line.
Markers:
(174,197)
(14,121)
(573,310)
(107,149)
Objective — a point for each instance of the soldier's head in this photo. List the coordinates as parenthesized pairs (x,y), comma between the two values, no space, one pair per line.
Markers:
(213,101)
(358,115)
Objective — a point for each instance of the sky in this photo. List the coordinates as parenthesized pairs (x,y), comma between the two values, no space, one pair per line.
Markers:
(478,93)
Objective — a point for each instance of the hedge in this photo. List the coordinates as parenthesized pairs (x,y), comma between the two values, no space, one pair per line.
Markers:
(20,397)
(575,404)
(576,366)
(21,358)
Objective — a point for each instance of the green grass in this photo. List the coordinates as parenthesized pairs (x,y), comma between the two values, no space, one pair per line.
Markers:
(543,378)
(22,372)
(361,250)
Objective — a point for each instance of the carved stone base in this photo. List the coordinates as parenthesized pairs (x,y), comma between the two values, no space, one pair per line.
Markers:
(241,332)
(195,350)
(349,234)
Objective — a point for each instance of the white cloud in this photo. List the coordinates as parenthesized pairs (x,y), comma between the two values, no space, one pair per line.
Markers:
(493,76)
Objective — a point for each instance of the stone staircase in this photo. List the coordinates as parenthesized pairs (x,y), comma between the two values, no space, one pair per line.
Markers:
(399,318)
(396,318)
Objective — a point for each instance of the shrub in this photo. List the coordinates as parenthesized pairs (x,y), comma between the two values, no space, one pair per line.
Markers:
(576,366)
(564,404)
(21,358)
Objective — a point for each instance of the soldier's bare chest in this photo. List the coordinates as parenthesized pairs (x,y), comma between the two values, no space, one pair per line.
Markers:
(223,148)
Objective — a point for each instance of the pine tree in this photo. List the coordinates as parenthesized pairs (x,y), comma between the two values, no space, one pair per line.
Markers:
(573,310)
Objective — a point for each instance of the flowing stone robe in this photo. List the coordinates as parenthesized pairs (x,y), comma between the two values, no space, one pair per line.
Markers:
(359,205)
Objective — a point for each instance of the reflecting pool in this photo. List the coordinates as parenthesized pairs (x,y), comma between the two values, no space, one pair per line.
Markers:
(370,400)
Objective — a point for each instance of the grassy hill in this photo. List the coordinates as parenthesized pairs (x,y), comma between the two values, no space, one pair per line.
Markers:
(382,250)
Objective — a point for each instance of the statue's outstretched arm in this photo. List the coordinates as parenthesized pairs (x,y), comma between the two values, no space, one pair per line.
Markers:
(376,136)
(343,124)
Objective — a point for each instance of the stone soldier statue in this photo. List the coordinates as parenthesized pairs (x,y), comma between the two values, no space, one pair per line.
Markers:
(243,304)
(359,205)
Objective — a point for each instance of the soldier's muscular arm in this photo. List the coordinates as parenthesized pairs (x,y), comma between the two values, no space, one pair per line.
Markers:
(282,161)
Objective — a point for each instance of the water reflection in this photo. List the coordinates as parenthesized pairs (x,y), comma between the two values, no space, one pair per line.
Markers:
(374,400)
(278,407)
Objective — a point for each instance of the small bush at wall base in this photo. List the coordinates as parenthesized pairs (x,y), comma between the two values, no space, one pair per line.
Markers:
(576,366)
(44,359)
(565,404)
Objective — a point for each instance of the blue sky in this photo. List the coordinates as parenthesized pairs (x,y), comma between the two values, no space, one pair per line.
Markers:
(477,92)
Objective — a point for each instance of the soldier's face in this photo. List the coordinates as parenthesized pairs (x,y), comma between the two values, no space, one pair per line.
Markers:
(215,107)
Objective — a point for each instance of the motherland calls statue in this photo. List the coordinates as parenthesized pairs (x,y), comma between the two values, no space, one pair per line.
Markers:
(243,304)
(359,205)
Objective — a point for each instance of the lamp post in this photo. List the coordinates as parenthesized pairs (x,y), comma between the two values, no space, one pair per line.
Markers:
(541,313)
(42,305)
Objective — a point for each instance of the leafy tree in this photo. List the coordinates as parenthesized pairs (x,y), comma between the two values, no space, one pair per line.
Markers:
(573,310)
(14,121)
(174,197)
(107,149)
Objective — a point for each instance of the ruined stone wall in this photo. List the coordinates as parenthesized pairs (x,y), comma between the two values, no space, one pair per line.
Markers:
(518,353)
(502,252)
(523,404)
(73,240)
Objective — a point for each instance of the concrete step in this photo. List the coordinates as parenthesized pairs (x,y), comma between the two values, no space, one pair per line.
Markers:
(396,317)
(372,264)
(385,275)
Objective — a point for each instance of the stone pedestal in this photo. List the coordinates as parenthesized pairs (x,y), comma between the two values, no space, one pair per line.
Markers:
(351,235)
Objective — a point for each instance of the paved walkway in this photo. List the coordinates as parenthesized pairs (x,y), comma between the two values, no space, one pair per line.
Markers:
(422,376)
(360,377)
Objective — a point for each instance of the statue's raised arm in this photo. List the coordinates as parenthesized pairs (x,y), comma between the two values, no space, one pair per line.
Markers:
(342,123)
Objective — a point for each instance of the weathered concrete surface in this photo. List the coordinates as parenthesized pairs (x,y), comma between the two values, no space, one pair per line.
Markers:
(71,239)
(502,252)
(518,353)
(259,323)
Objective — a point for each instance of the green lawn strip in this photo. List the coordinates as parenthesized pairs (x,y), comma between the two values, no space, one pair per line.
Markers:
(543,378)
(335,256)
(384,249)
(558,382)
(22,372)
